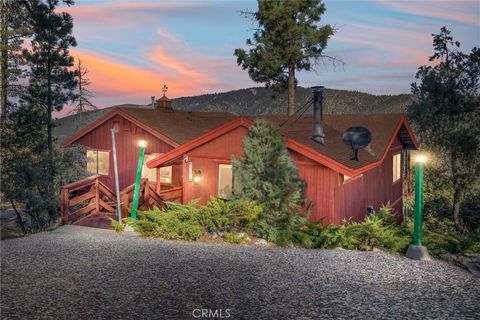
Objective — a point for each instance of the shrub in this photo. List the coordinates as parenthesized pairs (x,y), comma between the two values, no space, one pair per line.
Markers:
(214,216)
(232,237)
(221,215)
(176,222)
(117,226)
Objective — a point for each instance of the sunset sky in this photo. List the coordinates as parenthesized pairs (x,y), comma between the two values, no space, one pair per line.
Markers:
(132,48)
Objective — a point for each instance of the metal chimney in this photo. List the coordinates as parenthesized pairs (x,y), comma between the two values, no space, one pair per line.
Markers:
(318,135)
(153,102)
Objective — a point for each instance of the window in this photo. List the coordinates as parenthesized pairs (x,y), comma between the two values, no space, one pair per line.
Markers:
(190,172)
(98,162)
(397,165)
(346,178)
(225,180)
(151,173)
(166,174)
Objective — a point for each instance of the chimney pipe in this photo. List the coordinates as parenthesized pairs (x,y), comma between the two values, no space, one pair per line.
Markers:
(318,135)
(153,102)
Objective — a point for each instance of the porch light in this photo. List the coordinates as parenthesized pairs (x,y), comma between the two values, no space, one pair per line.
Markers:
(197,176)
(416,250)
(142,143)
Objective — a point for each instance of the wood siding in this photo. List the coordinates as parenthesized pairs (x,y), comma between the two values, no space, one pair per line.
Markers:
(127,138)
(374,188)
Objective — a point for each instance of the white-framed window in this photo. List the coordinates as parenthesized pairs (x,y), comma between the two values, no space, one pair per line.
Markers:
(98,162)
(225,180)
(166,174)
(151,173)
(397,167)
(190,171)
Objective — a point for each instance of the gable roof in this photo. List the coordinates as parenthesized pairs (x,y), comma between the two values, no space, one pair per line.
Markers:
(334,154)
(173,127)
(384,129)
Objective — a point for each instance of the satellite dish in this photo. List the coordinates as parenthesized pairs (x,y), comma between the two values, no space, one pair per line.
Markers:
(356,138)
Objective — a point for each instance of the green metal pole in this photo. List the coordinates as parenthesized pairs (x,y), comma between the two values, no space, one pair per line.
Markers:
(418,213)
(133,213)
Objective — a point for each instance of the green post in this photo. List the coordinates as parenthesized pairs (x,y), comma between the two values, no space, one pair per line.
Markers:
(418,213)
(136,189)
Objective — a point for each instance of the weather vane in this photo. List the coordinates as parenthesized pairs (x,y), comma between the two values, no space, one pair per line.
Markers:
(164,89)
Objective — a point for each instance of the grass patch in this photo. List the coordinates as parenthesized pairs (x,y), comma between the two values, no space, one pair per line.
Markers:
(117,226)
(232,237)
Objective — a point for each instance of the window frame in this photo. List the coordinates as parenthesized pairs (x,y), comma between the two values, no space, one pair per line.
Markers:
(217,178)
(396,170)
(96,161)
(156,171)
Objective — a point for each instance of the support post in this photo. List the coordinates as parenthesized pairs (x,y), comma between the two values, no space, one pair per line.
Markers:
(115,170)
(418,209)
(415,250)
(136,189)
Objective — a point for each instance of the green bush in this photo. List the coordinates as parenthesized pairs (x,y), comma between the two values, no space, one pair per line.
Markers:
(176,222)
(232,237)
(221,215)
(117,226)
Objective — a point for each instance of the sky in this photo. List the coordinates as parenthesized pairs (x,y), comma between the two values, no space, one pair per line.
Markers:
(133,48)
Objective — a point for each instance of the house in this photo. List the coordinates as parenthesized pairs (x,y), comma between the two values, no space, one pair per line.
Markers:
(160,126)
(192,151)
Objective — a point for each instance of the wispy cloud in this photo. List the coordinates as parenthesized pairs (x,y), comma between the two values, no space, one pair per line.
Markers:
(458,10)
(126,13)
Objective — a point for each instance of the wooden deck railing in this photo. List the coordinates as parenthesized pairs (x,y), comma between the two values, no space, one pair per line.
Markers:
(147,197)
(90,195)
(84,197)
(173,194)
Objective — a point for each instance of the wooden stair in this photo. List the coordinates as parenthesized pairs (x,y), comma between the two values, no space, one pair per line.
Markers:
(90,202)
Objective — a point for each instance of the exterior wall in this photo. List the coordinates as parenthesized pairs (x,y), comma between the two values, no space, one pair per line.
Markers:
(127,137)
(320,185)
(320,180)
(206,159)
(374,187)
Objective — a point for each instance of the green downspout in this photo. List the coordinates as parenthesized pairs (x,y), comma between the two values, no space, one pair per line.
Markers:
(133,213)
(418,212)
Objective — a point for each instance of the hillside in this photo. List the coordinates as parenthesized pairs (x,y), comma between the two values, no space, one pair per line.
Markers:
(256,101)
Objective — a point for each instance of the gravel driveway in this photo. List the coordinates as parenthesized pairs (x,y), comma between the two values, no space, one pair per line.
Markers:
(83,273)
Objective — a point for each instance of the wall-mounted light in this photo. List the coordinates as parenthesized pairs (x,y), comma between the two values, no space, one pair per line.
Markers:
(142,143)
(197,176)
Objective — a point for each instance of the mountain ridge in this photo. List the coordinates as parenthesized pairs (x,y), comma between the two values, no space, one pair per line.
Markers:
(257,101)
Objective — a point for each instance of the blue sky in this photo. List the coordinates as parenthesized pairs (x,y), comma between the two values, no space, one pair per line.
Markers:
(132,48)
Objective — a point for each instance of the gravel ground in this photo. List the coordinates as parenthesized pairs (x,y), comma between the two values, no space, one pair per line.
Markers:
(83,273)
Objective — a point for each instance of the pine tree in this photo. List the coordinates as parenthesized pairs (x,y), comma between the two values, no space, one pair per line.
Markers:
(13,30)
(268,175)
(288,39)
(82,102)
(51,82)
(447,113)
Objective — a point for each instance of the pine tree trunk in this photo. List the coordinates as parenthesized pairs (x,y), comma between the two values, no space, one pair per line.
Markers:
(457,201)
(457,195)
(291,87)
(49,126)
(4,64)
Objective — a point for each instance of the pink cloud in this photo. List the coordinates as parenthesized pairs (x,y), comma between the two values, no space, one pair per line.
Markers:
(120,13)
(462,11)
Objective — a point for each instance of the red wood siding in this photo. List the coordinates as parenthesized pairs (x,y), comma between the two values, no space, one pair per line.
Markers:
(320,180)
(127,138)
(206,159)
(375,187)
